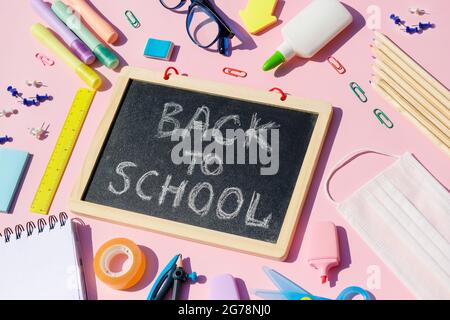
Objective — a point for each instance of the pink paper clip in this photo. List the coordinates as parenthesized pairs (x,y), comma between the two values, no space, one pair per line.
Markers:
(46,61)
(234,72)
(336,65)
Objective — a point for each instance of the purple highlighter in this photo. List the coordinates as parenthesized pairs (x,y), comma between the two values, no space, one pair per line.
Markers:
(78,46)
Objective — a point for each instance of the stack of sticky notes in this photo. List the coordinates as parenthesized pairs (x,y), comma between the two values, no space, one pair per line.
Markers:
(12,167)
(158,49)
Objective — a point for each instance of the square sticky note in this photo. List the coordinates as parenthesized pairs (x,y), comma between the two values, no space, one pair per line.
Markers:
(12,165)
(158,49)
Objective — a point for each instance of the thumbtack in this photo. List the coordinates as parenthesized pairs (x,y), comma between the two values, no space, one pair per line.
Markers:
(5,139)
(29,102)
(396,19)
(43,98)
(412,30)
(13,91)
(34,83)
(8,113)
(417,11)
(425,25)
(40,133)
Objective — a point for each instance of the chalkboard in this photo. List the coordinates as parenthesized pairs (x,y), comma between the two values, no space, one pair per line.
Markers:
(141,167)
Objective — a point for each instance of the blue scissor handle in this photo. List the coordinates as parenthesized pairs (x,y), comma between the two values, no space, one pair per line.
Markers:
(350,292)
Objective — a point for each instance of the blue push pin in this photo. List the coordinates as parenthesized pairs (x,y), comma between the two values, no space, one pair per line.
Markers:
(396,19)
(29,102)
(192,276)
(42,98)
(13,91)
(5,139)
(412,30)
(425,25)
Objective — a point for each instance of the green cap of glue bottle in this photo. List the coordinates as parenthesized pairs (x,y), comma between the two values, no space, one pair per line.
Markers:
(310,30)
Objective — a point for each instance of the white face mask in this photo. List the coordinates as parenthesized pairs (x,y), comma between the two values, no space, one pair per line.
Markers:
(403,214)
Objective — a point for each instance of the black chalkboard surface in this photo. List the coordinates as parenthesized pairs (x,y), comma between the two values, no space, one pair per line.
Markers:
(137,165)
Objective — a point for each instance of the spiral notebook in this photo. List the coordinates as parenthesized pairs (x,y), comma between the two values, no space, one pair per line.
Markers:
(41,261)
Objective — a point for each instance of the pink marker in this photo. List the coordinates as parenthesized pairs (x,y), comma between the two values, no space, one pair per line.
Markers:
(323,248)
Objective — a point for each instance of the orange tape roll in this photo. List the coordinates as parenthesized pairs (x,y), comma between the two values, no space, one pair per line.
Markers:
(131,274)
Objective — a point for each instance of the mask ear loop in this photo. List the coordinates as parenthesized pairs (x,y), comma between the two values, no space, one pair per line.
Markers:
(349,157)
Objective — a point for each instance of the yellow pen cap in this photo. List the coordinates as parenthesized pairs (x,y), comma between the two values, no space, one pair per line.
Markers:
(89,76)
(46,37)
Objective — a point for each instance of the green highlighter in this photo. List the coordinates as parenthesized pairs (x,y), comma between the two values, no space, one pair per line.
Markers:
(103,54)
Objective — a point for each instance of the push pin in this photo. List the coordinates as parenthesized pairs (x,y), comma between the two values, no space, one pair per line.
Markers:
(43,98)
(5,139)
(34,83)
(30,102)
(40,133)
(412,30)
(13,92)
(417,11)
(8,113)
(425,25)
(396,19)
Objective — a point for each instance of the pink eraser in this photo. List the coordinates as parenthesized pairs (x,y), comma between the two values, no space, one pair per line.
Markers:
(323,248)
(223,287)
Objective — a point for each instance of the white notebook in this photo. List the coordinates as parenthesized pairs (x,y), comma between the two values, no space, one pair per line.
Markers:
(40,260)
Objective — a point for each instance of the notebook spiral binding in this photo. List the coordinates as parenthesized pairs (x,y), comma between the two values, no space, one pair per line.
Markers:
(30,226)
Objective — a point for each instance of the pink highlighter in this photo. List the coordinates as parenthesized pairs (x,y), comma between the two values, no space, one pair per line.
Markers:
(323,248)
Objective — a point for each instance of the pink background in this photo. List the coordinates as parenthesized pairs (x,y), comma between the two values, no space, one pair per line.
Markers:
(354,126)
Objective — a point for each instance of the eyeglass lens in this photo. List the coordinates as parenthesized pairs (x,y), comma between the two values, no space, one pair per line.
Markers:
(172,4)
(202,27)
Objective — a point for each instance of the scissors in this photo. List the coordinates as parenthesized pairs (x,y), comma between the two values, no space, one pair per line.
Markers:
(288,290)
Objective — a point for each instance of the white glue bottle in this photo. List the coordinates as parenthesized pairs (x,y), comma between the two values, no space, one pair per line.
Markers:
(310,30)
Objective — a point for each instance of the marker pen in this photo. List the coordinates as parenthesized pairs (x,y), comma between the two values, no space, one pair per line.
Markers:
(47,38)
(79,48)
(101,27)
(103,54)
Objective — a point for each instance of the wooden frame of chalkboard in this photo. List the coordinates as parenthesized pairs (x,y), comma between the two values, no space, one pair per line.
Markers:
(277,249)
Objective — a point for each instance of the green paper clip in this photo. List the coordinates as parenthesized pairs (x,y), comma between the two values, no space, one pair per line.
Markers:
(132,19)
(358,92)
(383,118)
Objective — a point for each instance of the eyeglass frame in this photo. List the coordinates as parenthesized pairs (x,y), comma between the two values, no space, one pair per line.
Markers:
(224,33)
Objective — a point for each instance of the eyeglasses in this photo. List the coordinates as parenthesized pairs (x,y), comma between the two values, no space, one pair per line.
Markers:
(203,25)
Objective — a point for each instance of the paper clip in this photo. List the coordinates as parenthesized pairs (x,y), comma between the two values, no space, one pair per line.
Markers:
(132,19)
(358,91)
(46,61)
(383,118)
(234,72)
(336,65)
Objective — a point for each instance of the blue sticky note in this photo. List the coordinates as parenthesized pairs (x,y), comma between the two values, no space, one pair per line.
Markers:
(158,49)
(12,166)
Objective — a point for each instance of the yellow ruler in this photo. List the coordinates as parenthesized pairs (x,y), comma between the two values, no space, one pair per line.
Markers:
(62,151)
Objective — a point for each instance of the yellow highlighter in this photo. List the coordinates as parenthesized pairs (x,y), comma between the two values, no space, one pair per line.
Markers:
(46,37)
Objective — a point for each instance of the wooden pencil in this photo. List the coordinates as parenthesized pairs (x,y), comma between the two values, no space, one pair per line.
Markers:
(405,92)
(396,100)
(419,93)
(440,92)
